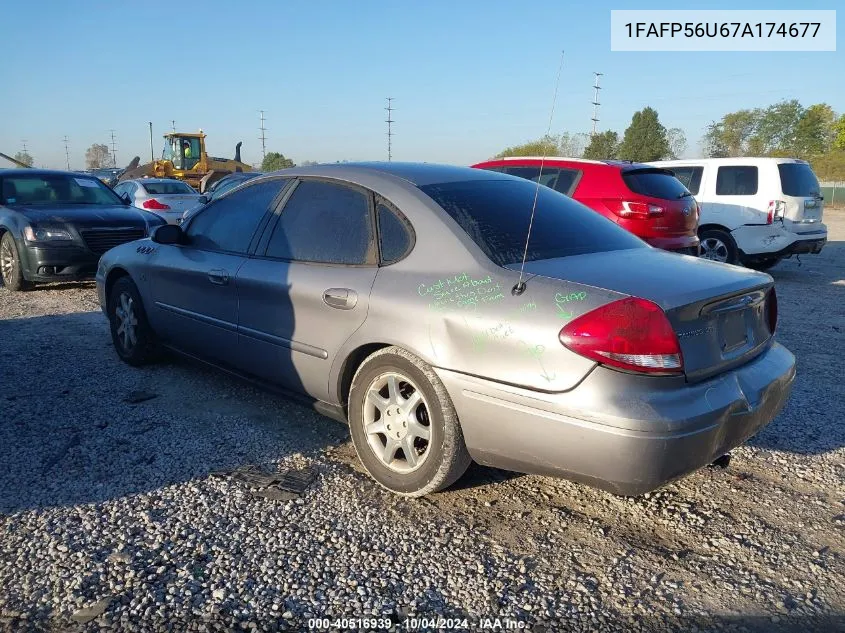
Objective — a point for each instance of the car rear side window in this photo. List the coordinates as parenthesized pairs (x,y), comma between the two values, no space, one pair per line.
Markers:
(394,232)
(326,223)
(495,214)
(562,180)
(690,177)
(229,223)
(798,179)
(655,183)
(736,180)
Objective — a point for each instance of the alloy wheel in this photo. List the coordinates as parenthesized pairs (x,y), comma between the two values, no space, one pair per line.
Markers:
(127,322)
(714,249)
(396,422)
(7,262)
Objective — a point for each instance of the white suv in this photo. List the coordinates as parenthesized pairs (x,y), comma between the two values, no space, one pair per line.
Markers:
(754,211)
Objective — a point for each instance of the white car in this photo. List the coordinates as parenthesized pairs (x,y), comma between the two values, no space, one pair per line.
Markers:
(754,211)
(167,197)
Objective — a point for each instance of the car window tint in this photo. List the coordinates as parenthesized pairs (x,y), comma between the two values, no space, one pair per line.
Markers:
(229,223)
(655,183)
(736,181)
(798,179)
(496,213)
(497,169)
(558,179)
(167,188)
(690,177)
(324,222)
(394,234)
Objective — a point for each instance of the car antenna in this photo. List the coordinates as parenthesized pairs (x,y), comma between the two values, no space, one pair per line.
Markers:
(519,288)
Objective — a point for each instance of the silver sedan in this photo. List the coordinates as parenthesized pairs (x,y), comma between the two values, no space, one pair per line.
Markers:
(167,197)
(394,297)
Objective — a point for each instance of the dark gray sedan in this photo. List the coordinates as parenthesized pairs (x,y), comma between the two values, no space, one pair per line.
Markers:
(391,296)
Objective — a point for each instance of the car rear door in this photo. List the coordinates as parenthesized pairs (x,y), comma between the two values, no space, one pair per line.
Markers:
(193,284)
(307,288)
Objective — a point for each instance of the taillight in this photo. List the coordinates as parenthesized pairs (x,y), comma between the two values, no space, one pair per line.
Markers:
(154,204)
(775,211)
(632,334)
(637,210)
(772,310)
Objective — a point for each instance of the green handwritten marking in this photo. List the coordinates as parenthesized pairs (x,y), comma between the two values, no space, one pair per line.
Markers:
(573,296)
(545,374)
(462,292)
(563,314)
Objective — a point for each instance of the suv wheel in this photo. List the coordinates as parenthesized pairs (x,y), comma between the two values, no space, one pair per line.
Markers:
(719,246)
(404,426)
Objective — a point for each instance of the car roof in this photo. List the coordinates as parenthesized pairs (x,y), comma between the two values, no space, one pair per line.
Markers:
(737,160)
(154,180)
(419,174)
(625,165)
(22,171)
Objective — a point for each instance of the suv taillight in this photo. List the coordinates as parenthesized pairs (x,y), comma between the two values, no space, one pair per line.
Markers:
(776,211)
(772,310)
(632,334)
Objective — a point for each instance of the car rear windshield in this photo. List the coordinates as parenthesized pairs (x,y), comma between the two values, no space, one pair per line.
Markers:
(655,183)
(496,214)
(798,179)
(55,189)
(166,188)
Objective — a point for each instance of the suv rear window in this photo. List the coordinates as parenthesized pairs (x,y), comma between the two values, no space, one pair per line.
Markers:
(496,213)
(689,176)
(798,179)
(655,183)
(562,180)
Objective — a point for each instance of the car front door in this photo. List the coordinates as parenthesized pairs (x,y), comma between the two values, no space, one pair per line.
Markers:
(193,284)
(307,288)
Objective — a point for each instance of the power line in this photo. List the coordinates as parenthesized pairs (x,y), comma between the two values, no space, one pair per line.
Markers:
(263,138)
(390,121)
(67,154)
(113,153)
(596,103)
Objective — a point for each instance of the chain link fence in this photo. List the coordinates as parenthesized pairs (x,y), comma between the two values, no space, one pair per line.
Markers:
(833,192)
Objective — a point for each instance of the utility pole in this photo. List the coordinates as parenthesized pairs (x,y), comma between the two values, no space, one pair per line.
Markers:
(263,137)
(67,154)
(113,154)
(172,126)
(596,103)
(152,151)
(390,109)
(23,142)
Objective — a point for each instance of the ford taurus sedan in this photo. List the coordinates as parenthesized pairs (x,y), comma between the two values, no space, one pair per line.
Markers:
(393,297)
(54,225)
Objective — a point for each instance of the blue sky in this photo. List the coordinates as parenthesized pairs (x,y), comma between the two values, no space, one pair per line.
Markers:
(469,77)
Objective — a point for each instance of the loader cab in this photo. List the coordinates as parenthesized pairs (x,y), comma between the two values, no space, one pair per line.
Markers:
(183,151)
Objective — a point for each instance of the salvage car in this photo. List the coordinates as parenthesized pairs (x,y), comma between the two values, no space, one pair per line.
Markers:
(413,302)
(167,197)
(646,200)
(54,225)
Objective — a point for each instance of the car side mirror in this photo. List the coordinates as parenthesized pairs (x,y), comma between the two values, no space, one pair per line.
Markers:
(204,199)
(125,198)
(168,234)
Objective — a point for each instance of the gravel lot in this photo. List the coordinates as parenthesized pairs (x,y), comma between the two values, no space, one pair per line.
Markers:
(109,518)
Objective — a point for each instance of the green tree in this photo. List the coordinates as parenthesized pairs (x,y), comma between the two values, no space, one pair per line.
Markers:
(814,132)
(98,156)
(274,161)
(830,166)
(839,133)
(677,141)
(25,158)
(731,136)
(775,132)
(645,139)
(603,146)
(546,146)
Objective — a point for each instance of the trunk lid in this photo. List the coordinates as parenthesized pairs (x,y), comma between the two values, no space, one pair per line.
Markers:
(717,310)
(804,205)
(659,187)
(178,202)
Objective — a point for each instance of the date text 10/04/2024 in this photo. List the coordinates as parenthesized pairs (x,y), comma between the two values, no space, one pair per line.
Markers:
(418,624)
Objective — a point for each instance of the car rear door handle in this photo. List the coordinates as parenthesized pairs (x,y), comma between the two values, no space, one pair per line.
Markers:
(218,276)
(340,298)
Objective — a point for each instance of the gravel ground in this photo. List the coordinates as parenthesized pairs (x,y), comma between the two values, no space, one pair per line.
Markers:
(109,518)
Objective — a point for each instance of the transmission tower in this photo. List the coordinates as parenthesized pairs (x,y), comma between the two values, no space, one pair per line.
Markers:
(390,121)
(596,103)
(263,137)
(113,154)
(67,154)
(172,126)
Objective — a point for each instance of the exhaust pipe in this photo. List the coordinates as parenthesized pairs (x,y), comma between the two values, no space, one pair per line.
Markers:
(238,151)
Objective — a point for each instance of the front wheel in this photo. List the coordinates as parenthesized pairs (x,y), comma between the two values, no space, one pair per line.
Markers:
(404,426)
(718,245)
(10,265)
(131,333)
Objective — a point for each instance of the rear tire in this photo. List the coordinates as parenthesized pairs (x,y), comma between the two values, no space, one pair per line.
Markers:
(404,426)
(10,265)
(133,338)
(719,246)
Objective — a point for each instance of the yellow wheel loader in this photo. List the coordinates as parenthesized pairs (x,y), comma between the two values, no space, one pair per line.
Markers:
(184,157)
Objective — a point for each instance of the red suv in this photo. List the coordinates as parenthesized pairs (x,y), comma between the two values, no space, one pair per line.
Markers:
(648,201)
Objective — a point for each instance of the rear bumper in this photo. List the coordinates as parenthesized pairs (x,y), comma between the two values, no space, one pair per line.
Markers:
(766,242)
(64,263)
(685,244)
(623,433)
